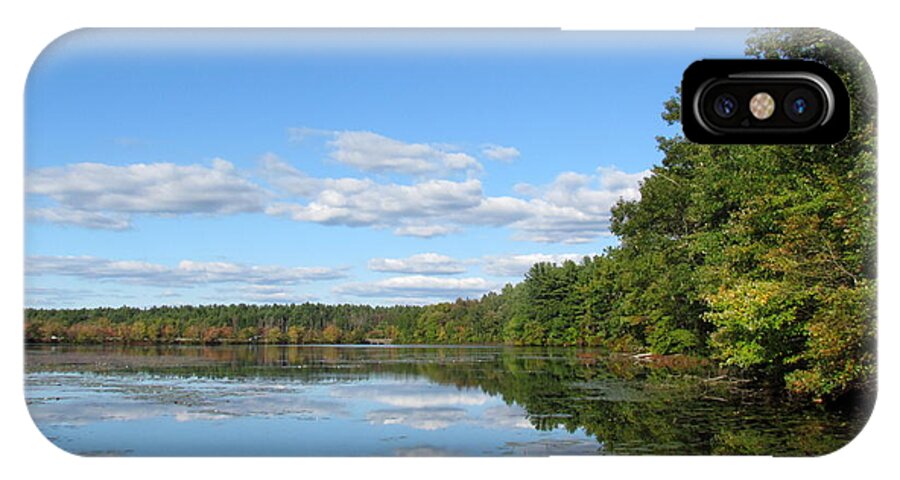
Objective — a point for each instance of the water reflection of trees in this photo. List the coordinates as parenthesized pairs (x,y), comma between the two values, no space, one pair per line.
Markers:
(629,407)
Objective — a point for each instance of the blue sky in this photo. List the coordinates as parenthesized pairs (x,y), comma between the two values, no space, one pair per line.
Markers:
(192,167)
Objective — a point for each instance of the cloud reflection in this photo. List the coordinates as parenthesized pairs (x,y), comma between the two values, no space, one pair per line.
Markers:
(413,395)
(419,418)
(427,406)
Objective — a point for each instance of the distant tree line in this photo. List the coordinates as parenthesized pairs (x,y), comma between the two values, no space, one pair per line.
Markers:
(760,257)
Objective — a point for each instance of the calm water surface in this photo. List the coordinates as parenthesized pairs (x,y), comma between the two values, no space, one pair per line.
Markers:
(328,400)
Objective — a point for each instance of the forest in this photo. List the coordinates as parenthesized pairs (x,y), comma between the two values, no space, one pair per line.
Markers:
(759,257)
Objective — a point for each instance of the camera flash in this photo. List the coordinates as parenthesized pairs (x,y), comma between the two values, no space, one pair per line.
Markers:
(762,105)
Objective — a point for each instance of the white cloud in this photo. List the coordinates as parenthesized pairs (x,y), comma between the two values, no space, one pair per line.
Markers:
(80,218)
(411,209)
(96,195)
(408,300)
(413,286)
(514,265)
(371,152)
(495,211)
(612,178)
(425,231)
(518,265)
(64,297)
(232,272)
(299,134)
(423,263)
(574,208)
(185,274)
(261,294)
(551,223)
(503,154)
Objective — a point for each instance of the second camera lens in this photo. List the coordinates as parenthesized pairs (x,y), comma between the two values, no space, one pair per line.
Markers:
(801,105)
(725,105)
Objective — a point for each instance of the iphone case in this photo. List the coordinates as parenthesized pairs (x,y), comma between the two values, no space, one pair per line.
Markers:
(437,242)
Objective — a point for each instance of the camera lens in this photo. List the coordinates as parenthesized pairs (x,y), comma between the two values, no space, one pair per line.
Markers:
(725,105)
(801,105)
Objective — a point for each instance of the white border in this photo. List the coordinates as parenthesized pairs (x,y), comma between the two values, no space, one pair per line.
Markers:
(28,26)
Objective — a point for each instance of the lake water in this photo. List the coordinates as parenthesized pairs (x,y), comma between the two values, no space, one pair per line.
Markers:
(397,400)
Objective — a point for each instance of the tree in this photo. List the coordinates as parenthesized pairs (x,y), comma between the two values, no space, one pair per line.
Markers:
(332,334)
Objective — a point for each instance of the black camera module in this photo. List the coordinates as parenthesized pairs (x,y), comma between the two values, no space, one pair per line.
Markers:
(804,102)
(725,105)
(801,105)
